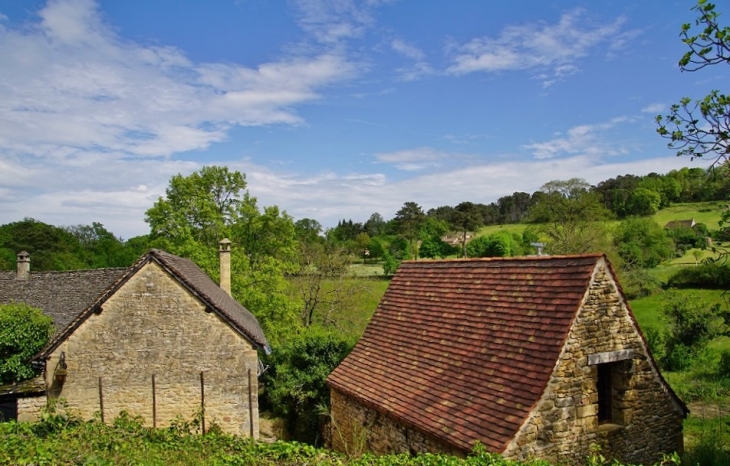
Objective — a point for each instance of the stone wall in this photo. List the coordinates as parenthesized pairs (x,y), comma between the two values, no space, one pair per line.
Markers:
(29,408)
(357,428)
(153,325)
(646,420)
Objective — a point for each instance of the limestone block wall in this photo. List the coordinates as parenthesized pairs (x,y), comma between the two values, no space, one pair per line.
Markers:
(357,428)
(151,326)
(29,408)
(646,420)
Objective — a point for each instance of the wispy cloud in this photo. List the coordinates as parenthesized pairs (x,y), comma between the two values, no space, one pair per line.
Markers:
(418,67)
(553,50)
(654,108)
(71,82)
(414,159)
(333,21)
(581,139)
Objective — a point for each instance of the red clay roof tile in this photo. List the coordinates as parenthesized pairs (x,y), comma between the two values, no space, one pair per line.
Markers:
(462,350)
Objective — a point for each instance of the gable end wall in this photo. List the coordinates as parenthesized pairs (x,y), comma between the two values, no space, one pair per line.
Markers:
(154,325)
(565,424)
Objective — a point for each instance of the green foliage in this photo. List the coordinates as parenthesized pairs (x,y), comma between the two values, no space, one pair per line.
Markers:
(206,206)
(643,202)
(409,220)
(500,244)
(433,247)
(638,283)
(642,243)
(569,214)
(692,323)
(24,330)
(390,264)
(700,128)
(723,368)
(710,275)
(709,441)
(295,382)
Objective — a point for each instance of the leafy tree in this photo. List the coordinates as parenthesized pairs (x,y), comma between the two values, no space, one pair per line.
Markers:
(24,330)
(376,225)
(692,325)
(319,281)
(702,127)
(206,206)
(570,213)
(499,244)
(514,208)
(308,230)
(390,263)
(642,243)
(643,202)
(50,247)
(295,383)
(409,220)
(433,246)
(465,218)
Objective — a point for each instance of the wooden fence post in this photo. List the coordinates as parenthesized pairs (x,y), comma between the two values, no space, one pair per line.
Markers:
(101,400)
(202,402)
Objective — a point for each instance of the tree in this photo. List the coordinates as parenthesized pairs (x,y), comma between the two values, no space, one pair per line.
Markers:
(643,202)
(570,214)
(308,230)
(692,324)
(376,225)
(465,218)
(409,219)
(319,281)
(24,330)
(702,127)
(295,384)
(642,243)
(206,206)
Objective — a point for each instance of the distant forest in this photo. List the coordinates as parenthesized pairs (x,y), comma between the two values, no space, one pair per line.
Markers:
(92,246)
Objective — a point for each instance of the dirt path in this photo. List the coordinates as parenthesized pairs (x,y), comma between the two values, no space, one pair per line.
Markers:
(708,410)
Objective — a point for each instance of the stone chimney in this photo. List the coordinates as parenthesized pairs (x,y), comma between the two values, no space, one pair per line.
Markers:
(224,257)
(23,265)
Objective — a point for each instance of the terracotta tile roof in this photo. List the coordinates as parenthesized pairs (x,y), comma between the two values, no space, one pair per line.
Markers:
(61,295)
(463,349)
(190,276)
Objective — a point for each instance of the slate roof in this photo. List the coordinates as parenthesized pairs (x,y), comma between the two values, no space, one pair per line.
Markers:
(61,295)
(195,280)
(463,349)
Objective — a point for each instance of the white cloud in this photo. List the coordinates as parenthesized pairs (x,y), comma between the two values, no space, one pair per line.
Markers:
(414,159)
(540,46)
(69,81)
(581,139)
(418,67)
(654,108)
(333,21)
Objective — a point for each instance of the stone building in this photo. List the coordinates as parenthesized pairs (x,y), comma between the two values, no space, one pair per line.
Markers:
(534,357)
(158,339)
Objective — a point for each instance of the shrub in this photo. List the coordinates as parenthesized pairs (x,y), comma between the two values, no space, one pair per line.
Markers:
(692,323)
(710,276)
(24,330)
(639,283)
(723,368)
(295,383)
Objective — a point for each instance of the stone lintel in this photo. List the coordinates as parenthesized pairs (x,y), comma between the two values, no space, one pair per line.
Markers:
(610,356)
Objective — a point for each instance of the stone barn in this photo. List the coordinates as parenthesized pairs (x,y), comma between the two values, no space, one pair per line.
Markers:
(158,339)
(533,357)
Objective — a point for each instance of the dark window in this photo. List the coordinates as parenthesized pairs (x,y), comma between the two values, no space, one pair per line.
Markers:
(605,393)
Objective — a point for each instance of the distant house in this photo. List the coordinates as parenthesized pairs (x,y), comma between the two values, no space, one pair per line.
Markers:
(158,339)
(532,357)
(681,224)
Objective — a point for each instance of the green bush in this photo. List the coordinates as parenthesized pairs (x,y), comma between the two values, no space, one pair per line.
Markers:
(724,367)
(24,330)
(639,283)
(295,382)
(691,323)
(709,276)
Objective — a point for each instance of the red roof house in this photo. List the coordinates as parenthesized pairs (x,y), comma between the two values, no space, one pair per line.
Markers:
(532,357)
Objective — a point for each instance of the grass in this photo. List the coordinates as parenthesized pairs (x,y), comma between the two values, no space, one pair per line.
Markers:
(648,310)
(708,213)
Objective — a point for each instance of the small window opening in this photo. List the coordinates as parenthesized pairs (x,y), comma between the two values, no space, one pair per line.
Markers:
(605,392)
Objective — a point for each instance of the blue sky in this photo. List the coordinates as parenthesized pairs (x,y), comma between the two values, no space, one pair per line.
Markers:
(333,109)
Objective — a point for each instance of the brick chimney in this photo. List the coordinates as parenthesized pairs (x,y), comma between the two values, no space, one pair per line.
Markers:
(224,257)
(23,265)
